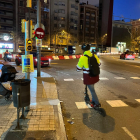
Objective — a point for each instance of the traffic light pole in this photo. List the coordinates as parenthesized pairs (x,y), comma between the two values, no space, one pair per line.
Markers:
(38,47)
(27,35)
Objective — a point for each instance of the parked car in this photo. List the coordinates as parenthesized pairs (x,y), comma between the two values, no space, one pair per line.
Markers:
(44,61)
(127,55)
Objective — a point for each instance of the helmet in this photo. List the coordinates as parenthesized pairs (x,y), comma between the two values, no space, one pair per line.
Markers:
(85,47)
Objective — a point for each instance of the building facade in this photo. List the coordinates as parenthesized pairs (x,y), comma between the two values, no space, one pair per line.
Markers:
(11,14)
(136,34)
(121,35)
(7,22)
(64,18)
(105,20)
(88,23)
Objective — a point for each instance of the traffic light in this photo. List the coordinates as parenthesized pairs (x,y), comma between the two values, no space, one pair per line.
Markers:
(23,25)
(31,29)
(29,3)
(29,45)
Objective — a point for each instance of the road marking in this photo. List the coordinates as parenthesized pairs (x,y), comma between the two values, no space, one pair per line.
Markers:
(68,80)
(138,100)
(116,103)
(119,78)
(135,77)
(82,105)
(53,63)
(129,133)
(103,78)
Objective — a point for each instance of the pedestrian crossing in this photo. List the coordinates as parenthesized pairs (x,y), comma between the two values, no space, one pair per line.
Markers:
(111,103)
(105,78)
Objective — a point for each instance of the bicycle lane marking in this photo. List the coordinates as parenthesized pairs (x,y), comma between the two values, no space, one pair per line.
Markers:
(129,133)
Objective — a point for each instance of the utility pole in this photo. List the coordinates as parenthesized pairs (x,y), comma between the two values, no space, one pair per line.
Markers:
(27,35)
(38,47)
(50,21)
(16,41)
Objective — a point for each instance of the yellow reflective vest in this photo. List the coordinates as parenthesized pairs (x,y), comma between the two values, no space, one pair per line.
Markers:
(83,65)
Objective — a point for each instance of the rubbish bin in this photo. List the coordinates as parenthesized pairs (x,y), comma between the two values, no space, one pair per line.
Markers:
(24,87)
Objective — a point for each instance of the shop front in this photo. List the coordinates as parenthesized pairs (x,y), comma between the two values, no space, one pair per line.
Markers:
(4,47)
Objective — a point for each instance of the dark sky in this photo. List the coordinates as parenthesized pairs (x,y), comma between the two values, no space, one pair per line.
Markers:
(127,8)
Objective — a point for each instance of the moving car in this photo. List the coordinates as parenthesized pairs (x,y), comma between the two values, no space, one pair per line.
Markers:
(127,55)
(44,61)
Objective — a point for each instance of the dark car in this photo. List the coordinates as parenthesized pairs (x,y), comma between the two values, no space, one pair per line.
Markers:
(127,55)
(44,61)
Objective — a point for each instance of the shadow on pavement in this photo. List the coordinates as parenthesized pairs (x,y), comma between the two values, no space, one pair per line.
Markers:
(98,120)
(31,135)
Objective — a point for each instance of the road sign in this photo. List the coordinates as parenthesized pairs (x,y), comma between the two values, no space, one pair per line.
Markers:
(27,63)
(28,44)
(38,42)
(39,33)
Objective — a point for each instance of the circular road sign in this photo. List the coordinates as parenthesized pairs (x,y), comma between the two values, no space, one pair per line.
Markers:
(39,33)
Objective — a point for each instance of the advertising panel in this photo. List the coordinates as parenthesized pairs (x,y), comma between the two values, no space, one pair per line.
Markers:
(27,63)
(6,46)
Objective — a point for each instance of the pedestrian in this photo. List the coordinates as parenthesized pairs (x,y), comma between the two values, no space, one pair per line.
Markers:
(87,80)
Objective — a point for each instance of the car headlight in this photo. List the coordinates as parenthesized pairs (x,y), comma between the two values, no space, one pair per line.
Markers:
(49,60)
(36,60)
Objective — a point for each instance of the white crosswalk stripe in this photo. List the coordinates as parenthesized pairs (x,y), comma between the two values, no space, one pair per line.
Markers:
(112,103)
(116,103)
(119,78)
(138,100)
(82,105)
(103,78)
(135,77)
(68,80)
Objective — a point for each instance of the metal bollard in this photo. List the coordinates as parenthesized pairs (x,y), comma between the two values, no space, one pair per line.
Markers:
(18,109)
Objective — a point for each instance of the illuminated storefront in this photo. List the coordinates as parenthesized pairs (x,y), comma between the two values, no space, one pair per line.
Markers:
(4,47)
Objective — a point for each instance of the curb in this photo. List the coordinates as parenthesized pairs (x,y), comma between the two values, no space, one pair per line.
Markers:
(61,121)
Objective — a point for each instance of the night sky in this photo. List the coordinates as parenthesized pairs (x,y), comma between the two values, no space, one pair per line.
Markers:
(127,8)
(122,8)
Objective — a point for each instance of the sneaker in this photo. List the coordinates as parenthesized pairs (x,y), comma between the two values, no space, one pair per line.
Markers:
(99,105)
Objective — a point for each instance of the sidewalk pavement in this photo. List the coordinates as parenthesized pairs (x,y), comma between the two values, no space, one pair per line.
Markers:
(44,121)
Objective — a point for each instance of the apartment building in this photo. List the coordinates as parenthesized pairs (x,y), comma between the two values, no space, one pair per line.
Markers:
(64,17)
(88,23)
(7,21)
(121,35)
(11,14)
(105,19)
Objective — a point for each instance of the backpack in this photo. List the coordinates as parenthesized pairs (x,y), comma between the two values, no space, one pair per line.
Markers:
(94,69)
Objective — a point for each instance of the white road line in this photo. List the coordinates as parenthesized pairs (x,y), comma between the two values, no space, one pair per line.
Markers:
(116,103)
(135,77)
(82,105)
(138,100)
(129,133)
(119,78)
(103,78)
(68,80)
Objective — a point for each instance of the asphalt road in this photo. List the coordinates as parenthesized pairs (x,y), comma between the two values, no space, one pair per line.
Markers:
(119,94)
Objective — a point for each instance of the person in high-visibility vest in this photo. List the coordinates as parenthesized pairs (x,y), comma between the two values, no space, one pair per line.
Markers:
(89,81)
